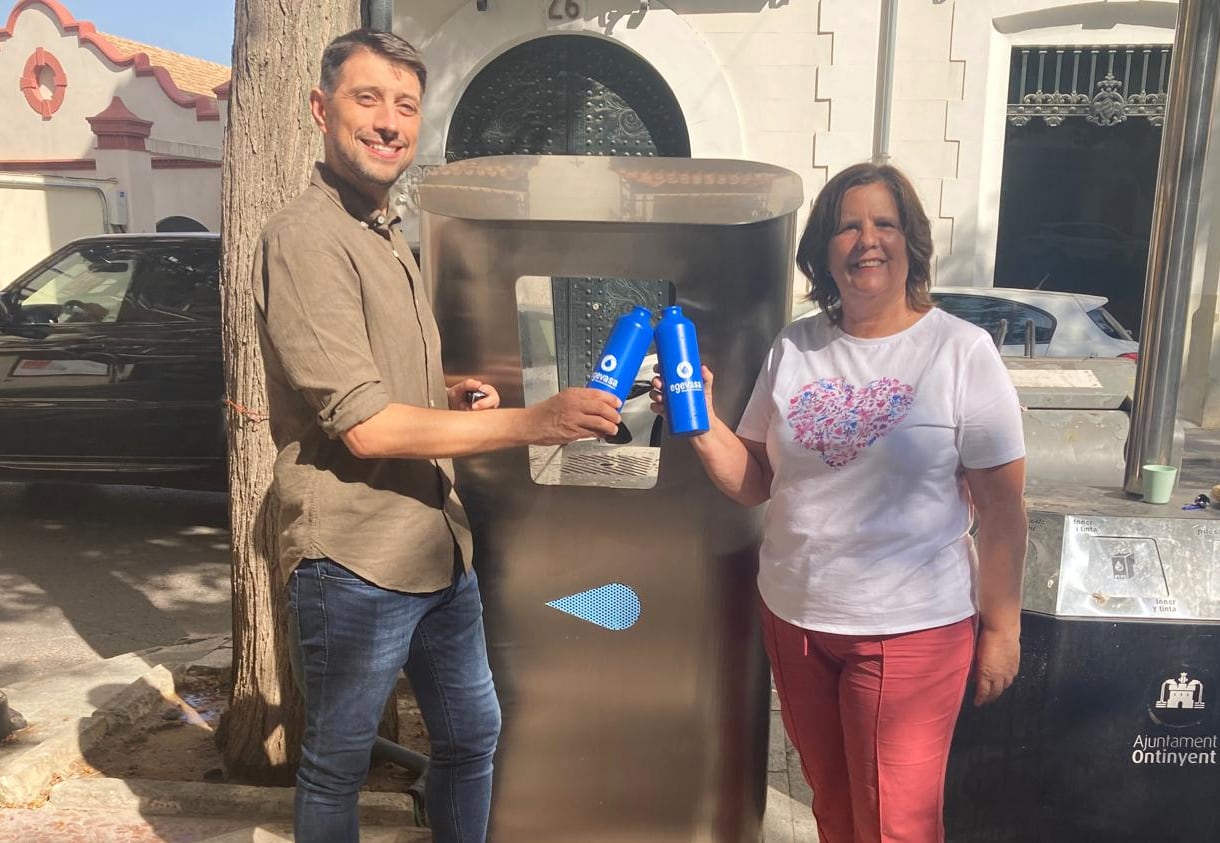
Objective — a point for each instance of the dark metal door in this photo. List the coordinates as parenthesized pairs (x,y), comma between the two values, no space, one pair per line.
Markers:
(568,95)
(574,95)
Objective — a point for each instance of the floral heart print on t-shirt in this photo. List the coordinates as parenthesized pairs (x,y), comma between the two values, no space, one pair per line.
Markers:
(839,420)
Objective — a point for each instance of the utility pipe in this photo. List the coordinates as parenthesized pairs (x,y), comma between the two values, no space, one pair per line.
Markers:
(377,14)
(1171,249)
(883,105)
(33,181)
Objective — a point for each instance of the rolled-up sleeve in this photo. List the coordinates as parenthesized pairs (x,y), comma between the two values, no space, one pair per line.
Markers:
(313,319)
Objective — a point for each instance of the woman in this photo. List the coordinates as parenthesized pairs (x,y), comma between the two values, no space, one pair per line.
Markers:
(871,428)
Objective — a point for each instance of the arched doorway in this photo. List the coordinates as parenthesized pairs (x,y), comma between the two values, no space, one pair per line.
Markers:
(180,224)
(567,95)
(575,95)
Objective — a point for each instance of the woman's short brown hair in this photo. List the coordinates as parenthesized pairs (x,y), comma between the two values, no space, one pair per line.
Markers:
(823,222)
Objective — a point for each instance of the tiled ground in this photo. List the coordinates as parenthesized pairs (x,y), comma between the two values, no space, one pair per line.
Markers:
(788,818)
(48,825)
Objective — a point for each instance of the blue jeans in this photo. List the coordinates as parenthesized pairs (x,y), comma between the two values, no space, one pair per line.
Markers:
(351,640)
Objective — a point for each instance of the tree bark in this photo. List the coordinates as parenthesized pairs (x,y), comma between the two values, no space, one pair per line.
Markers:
(270,146)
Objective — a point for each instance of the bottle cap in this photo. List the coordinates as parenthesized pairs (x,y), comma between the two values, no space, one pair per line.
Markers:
(672,310)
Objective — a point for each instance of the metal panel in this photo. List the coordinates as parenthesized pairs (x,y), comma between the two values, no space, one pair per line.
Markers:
(1140,567)
(567,95)
(640,726)
(1094,553)
(586,310)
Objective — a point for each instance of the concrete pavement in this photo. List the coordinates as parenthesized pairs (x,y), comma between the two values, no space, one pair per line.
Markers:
(71,711)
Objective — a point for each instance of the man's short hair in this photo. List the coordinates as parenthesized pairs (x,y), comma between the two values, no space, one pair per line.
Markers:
(389,46)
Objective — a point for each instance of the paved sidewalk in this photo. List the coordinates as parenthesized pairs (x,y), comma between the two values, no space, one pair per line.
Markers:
(53,825)
(71,711)
(788,818)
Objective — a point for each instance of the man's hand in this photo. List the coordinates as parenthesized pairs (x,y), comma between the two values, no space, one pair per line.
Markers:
(457,395)
(575,413)
(996,661)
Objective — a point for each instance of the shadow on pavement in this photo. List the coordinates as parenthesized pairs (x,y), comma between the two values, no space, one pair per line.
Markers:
(97,571)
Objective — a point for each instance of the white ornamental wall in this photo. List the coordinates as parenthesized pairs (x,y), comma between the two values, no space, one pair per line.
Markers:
(949,95)
(193,192)
(744,80)
(947,131)
(24,134)
(93,81)
(794,84)
(984,35)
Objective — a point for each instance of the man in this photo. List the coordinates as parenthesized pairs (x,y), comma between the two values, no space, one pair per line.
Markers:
(376,550)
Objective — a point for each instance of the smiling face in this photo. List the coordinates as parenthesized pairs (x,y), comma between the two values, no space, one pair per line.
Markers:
(370,122)
(868,252)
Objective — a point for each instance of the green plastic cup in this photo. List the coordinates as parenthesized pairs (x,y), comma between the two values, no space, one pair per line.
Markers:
(1158,483)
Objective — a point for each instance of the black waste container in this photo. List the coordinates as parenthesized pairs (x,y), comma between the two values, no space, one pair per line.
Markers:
(1110,732)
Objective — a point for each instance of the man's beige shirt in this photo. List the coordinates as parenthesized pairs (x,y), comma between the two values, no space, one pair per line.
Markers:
(346,329)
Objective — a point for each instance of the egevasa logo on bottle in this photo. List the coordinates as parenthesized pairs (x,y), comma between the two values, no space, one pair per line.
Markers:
(623,353)
(603,377)
(685,370)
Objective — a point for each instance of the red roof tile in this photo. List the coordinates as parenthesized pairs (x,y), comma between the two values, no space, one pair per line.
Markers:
(195,76)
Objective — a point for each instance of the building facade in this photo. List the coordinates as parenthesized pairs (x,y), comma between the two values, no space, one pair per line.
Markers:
(1031,128)
(101,134)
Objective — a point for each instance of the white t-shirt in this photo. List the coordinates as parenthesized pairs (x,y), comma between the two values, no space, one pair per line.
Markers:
(866,532)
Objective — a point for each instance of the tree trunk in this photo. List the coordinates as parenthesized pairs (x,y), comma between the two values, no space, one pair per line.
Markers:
(270,147)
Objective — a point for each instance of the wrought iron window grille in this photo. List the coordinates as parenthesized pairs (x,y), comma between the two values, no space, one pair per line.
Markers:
(1103,85)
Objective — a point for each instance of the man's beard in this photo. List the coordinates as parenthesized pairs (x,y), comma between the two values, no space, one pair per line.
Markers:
(377,178)
(367,172)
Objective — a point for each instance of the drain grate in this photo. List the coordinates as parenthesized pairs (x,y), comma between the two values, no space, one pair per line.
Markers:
(596,464)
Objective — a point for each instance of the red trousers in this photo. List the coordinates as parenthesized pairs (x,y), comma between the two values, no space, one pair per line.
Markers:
(872,718)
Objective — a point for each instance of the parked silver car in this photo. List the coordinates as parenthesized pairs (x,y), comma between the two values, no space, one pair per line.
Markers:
(1064,324)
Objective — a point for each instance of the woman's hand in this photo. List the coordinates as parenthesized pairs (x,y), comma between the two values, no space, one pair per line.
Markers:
(657,395)
(457,395)
(995,663)
(1001,540)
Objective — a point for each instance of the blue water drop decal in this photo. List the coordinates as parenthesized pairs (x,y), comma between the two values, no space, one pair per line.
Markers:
(615,606)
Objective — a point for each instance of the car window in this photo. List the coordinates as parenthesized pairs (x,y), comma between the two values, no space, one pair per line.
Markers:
(988,311)
(1110,326)
(1022,315)
(175,283)
(126,282)
(87,285)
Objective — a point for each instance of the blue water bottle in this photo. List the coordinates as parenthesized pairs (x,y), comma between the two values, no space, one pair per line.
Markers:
(681,374)
(624,352)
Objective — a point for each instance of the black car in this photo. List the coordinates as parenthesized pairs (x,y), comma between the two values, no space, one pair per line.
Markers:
(110,363)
